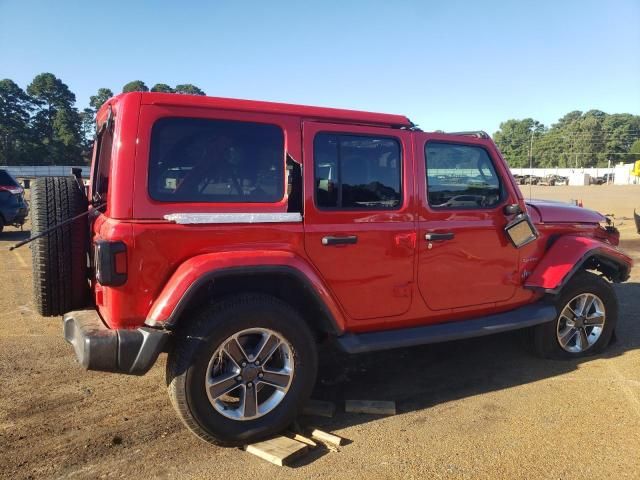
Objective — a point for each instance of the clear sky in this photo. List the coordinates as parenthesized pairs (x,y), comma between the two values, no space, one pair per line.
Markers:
(448,65)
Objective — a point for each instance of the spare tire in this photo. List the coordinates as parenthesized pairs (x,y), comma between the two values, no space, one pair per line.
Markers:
(60,257)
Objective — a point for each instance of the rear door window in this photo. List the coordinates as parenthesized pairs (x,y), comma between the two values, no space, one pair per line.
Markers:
(357,172)
(203,160)
(461,176)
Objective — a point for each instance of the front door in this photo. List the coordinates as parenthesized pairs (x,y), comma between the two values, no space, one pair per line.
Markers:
(465,259)
(359,221)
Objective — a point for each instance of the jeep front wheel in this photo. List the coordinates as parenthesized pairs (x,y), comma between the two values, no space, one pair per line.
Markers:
(587,315)
(242,369)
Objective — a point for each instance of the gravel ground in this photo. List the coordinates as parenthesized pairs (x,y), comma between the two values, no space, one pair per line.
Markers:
(483,408)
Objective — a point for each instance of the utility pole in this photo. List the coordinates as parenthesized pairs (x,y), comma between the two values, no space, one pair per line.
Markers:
(531,162)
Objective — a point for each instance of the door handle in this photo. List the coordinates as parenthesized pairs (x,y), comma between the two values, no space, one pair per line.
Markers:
(348,240)
(434,237)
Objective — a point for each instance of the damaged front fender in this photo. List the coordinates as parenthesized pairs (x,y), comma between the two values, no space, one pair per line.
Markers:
(572,253)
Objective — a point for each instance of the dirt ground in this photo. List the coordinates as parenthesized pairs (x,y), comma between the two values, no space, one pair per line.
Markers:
(483,408)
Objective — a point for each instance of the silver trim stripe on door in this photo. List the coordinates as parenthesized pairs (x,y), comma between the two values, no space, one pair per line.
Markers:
(201,218)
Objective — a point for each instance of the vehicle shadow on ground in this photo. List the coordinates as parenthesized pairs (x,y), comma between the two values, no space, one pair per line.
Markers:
(14,235)
(420,377)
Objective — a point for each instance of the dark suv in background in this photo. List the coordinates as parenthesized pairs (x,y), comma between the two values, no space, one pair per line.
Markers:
(13,207)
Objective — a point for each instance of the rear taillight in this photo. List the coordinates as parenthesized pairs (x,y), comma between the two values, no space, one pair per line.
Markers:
(110,259)
(11,189)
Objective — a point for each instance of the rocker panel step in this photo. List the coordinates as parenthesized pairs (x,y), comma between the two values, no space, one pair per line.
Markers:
(523,317)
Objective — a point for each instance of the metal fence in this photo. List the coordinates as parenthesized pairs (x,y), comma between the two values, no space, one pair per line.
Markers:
(623,174)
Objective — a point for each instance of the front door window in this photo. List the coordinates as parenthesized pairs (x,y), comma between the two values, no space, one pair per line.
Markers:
(460,176)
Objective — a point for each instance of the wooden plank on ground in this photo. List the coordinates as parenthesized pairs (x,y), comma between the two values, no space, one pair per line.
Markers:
(325,437)
(279,450)
(300,438)
(319,408)
(370,406)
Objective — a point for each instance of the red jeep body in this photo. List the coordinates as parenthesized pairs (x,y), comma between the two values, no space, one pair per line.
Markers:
(391,278)
(224,231)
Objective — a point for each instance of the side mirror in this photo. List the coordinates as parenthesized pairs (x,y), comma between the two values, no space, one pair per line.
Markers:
(513,209)
(521,231)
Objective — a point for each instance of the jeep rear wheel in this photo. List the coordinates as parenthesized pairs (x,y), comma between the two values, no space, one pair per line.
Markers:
(59,258)
(242,369)
(587,315)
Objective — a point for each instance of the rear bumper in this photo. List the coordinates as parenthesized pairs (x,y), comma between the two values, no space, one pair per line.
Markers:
(100,348)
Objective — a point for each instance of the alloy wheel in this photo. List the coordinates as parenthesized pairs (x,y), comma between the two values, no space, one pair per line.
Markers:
(249,374)
(581,323)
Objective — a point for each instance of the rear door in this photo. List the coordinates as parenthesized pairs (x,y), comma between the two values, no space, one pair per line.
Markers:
(465,259)
(359,221)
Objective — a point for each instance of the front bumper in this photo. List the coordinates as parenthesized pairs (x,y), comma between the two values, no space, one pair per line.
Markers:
(15,215)
(100,348)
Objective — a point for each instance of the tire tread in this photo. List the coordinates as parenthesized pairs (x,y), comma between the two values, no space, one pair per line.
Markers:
(59,258)
(181,356)
(544,339)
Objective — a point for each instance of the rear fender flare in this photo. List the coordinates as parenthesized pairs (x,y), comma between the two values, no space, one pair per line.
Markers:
(571,253)
(197,271)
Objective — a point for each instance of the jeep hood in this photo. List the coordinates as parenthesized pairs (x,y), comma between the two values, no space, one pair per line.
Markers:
(547,211)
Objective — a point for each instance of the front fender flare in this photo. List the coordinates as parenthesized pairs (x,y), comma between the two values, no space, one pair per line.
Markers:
(198,270)
(570,253)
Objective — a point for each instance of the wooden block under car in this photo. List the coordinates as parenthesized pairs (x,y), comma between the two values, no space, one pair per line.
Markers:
(300,438)
(279,450)
(370,406)
(325,437)
(319,408)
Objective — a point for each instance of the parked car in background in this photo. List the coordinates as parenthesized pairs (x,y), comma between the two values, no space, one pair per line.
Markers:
(13,207)
(597,180)
(527,179)
(530,180)
(546,181)
(608,177)
(553,180)
(560,180)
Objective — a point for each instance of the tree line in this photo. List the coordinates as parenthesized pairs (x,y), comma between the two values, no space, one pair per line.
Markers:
(42,126)
(579,139)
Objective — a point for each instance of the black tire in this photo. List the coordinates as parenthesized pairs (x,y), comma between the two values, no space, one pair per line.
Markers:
(545,336)
(1,223)
(60,258)
(199,340)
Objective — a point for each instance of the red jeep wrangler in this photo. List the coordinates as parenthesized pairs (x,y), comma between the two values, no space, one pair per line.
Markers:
(236,234)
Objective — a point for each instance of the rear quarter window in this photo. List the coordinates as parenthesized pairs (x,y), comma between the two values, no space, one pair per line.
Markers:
(203,160)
